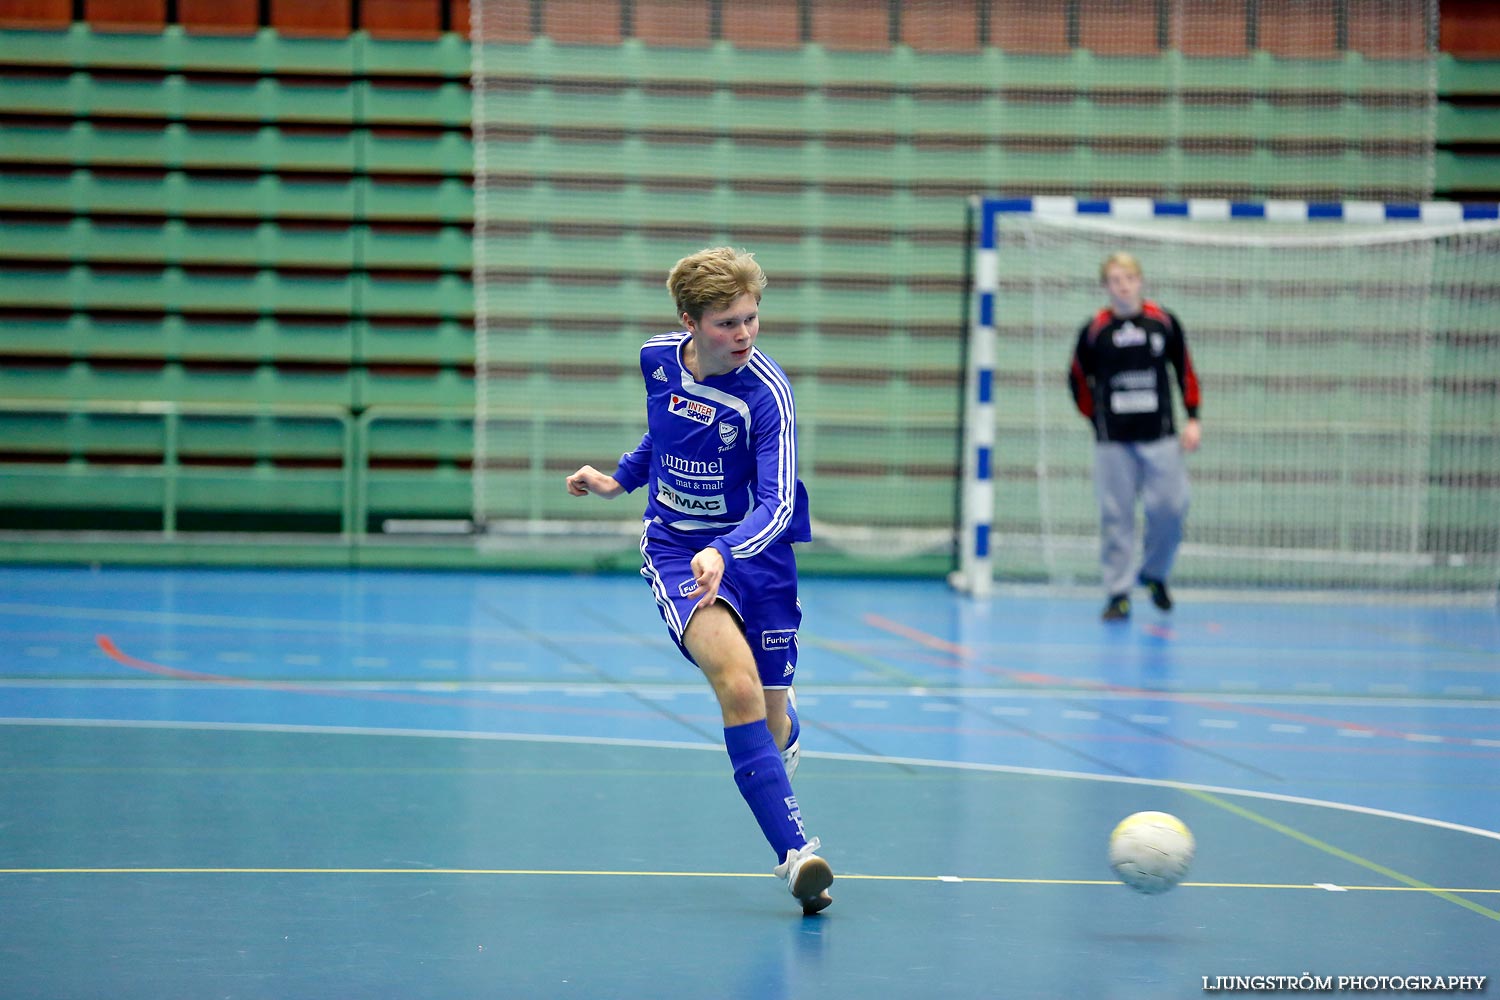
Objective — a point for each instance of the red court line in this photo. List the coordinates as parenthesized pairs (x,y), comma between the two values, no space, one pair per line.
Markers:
(123,658)
(969,660)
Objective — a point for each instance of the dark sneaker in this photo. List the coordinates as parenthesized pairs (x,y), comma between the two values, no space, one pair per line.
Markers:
(1118,609)
(1159,595)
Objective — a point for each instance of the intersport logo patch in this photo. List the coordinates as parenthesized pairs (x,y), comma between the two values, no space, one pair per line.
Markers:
(694,410)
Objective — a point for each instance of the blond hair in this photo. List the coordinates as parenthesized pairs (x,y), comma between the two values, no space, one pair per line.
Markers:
(1122,259)
(712,279)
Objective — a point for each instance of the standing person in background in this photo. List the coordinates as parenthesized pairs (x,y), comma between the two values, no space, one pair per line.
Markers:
(1119,382)
(723,508)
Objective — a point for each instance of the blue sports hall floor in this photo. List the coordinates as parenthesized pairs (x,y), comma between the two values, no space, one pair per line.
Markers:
(257,784)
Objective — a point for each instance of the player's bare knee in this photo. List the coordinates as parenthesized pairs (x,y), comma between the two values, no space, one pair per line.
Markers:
(739,691)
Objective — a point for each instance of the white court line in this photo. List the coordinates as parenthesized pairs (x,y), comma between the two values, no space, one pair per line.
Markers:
(954,765)
(833,691)
(252,622)
(1478,598)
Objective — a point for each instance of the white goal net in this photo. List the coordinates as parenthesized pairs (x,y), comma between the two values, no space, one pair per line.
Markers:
(1351,429)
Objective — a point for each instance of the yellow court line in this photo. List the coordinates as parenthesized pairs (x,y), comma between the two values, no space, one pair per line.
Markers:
(564,872)
(1414,884)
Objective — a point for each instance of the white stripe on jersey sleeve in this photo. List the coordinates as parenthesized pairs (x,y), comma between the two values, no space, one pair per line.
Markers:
(663,340)
(786,459)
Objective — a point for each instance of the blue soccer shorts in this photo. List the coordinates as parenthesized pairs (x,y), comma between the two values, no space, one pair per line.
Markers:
(761,591)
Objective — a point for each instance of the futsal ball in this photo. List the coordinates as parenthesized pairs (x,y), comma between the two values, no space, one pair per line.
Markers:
(1151,851)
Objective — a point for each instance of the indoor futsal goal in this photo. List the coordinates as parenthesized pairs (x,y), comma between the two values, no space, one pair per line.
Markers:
(1348,359)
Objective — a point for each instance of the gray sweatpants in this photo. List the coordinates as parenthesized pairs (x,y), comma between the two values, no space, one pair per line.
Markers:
(1155,472)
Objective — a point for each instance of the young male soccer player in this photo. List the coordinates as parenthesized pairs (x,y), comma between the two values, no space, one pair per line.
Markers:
(1119,382)
(724,506)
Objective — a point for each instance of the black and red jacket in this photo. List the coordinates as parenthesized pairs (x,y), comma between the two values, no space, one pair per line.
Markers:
(1119,374)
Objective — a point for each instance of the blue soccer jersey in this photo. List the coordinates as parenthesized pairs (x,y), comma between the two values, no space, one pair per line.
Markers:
(719,456)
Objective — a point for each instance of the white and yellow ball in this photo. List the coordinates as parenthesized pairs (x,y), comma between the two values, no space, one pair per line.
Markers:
(1151,851)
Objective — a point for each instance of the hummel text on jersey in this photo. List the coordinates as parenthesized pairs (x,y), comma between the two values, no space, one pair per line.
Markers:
(692,466)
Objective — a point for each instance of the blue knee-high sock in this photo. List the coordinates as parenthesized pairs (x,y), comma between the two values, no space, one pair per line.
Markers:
(762,781)
(791,713)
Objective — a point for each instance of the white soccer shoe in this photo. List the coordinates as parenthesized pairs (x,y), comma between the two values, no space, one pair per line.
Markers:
(807,876)
(792,755)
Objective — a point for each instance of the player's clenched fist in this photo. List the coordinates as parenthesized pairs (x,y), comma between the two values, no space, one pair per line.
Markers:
(590,480)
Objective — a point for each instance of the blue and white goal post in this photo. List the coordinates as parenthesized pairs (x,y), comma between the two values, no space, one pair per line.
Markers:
(1349,359)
